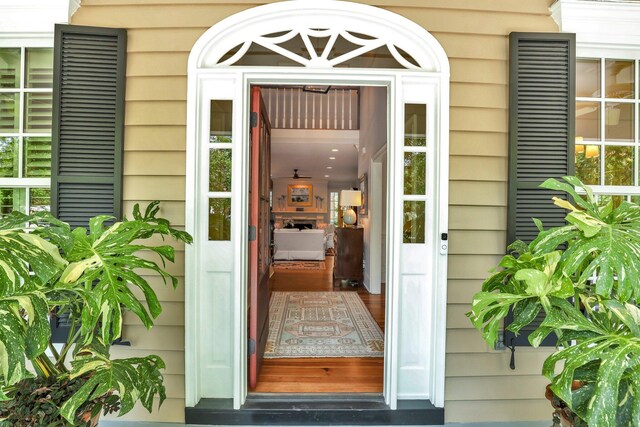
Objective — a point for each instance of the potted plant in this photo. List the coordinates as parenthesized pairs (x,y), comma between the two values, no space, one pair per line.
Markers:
(46,267)
(585,278)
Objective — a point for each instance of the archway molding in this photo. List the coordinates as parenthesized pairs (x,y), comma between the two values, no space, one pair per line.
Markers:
(215,271)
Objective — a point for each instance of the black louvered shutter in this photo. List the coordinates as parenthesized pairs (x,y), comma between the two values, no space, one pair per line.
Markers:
(88,117)
(541,136)
(88,128)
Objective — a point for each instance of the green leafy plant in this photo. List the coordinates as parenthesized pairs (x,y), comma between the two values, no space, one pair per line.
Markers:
(88,274)
(589,295)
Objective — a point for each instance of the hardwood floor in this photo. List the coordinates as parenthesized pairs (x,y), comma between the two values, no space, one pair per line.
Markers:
(323,375)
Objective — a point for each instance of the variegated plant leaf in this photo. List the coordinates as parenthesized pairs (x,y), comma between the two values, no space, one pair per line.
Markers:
(22,336)
(131,379)
(111,260)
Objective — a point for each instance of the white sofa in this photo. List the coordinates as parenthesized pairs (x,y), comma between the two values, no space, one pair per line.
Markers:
(294,244)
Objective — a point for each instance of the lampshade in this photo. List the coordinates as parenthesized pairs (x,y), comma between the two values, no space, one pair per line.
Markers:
(592,151)
(350,198)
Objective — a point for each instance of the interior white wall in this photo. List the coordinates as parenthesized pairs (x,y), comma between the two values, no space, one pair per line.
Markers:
(383,239)
(373,135)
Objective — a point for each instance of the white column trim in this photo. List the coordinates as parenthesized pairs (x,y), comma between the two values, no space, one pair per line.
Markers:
(33,19)
(611,25)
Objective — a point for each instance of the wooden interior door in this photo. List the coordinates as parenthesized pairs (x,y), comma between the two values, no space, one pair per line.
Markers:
(260,234)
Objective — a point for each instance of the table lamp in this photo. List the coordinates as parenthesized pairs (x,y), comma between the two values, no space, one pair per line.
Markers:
(348,200)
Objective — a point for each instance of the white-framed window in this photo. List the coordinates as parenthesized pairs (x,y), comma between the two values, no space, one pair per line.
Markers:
(607,144)
(26,87)
(333,207)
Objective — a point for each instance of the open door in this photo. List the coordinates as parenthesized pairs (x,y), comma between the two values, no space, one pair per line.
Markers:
(259,234)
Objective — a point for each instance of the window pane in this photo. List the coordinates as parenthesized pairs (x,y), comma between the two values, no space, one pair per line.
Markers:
(619,122)
(37,157)
(415,173)
(618,166)
(414,219)
(37,112)
(219,170)
(39,67)
(39,200)
(588,78)
(588,120)
(9,68)
(619,79)
(415,125)
(221,121)
(220,219)
(588,164)
(12,199)
(9,112)
(8,157)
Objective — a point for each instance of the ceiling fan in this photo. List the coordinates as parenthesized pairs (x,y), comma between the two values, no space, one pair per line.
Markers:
(296,176)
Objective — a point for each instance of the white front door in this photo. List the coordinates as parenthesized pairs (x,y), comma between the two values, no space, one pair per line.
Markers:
(217,196)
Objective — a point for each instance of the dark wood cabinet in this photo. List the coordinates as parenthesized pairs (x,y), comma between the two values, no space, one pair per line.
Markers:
(349,247)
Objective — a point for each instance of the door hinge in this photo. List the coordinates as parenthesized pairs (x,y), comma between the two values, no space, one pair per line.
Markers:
(254,119)
(251,347)
(252,233)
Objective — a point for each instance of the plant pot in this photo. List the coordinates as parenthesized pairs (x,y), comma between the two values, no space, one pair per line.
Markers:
(562,413)
(91,421)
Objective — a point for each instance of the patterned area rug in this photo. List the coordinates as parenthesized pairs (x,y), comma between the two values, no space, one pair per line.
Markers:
(299,265)
(321,324)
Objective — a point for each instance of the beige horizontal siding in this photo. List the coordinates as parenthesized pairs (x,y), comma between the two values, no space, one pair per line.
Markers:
(471,242)
(475,168)
(158,338)
(528,7)
(479,95)
(456,316)
(169,16)
(478,119)
(162,188)
(461,291)
(480,385)
(467,342)
(472,266)
(154,163)
(477,218)
(473,70)
(476,22)
(501,410)
(480,144)
(157,64)
(153,113)
(160,88)
(496,387)
(528,363)
(155,138)
(477,193)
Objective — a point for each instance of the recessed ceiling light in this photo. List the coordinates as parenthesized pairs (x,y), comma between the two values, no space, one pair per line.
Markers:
(329,167)
(334,150)
(332,158)
(326,176)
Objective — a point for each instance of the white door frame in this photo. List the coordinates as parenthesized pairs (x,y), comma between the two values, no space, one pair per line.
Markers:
(216,272)
(375,219)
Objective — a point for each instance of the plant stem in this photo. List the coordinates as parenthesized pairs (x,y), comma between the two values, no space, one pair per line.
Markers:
(56,356)
(65,349)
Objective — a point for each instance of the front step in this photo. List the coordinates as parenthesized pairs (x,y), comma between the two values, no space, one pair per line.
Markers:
(311,409)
